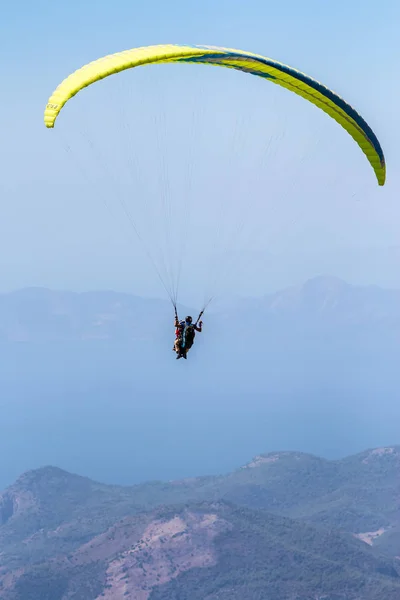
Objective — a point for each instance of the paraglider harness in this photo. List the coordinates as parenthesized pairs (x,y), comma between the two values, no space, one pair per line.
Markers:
(189,334)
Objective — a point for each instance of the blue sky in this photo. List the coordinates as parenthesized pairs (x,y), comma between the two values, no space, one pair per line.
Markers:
(55,230)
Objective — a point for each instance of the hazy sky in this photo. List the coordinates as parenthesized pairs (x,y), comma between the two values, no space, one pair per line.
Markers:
(232,149)
(194,136)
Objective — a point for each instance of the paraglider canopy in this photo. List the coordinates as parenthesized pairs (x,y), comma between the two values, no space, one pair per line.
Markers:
(254,64)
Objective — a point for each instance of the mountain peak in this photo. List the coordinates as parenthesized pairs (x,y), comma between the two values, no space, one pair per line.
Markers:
(46,475)
(325,282)
(284,455)
(379,454)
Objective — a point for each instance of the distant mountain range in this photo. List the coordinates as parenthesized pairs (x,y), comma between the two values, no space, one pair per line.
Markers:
(285,526)
(322,304)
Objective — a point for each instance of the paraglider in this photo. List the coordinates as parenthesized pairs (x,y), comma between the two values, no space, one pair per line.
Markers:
(185,332)
(273,71)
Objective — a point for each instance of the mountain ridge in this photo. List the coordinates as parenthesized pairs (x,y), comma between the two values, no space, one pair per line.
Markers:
(287,512)
(39,313)
(276,471)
